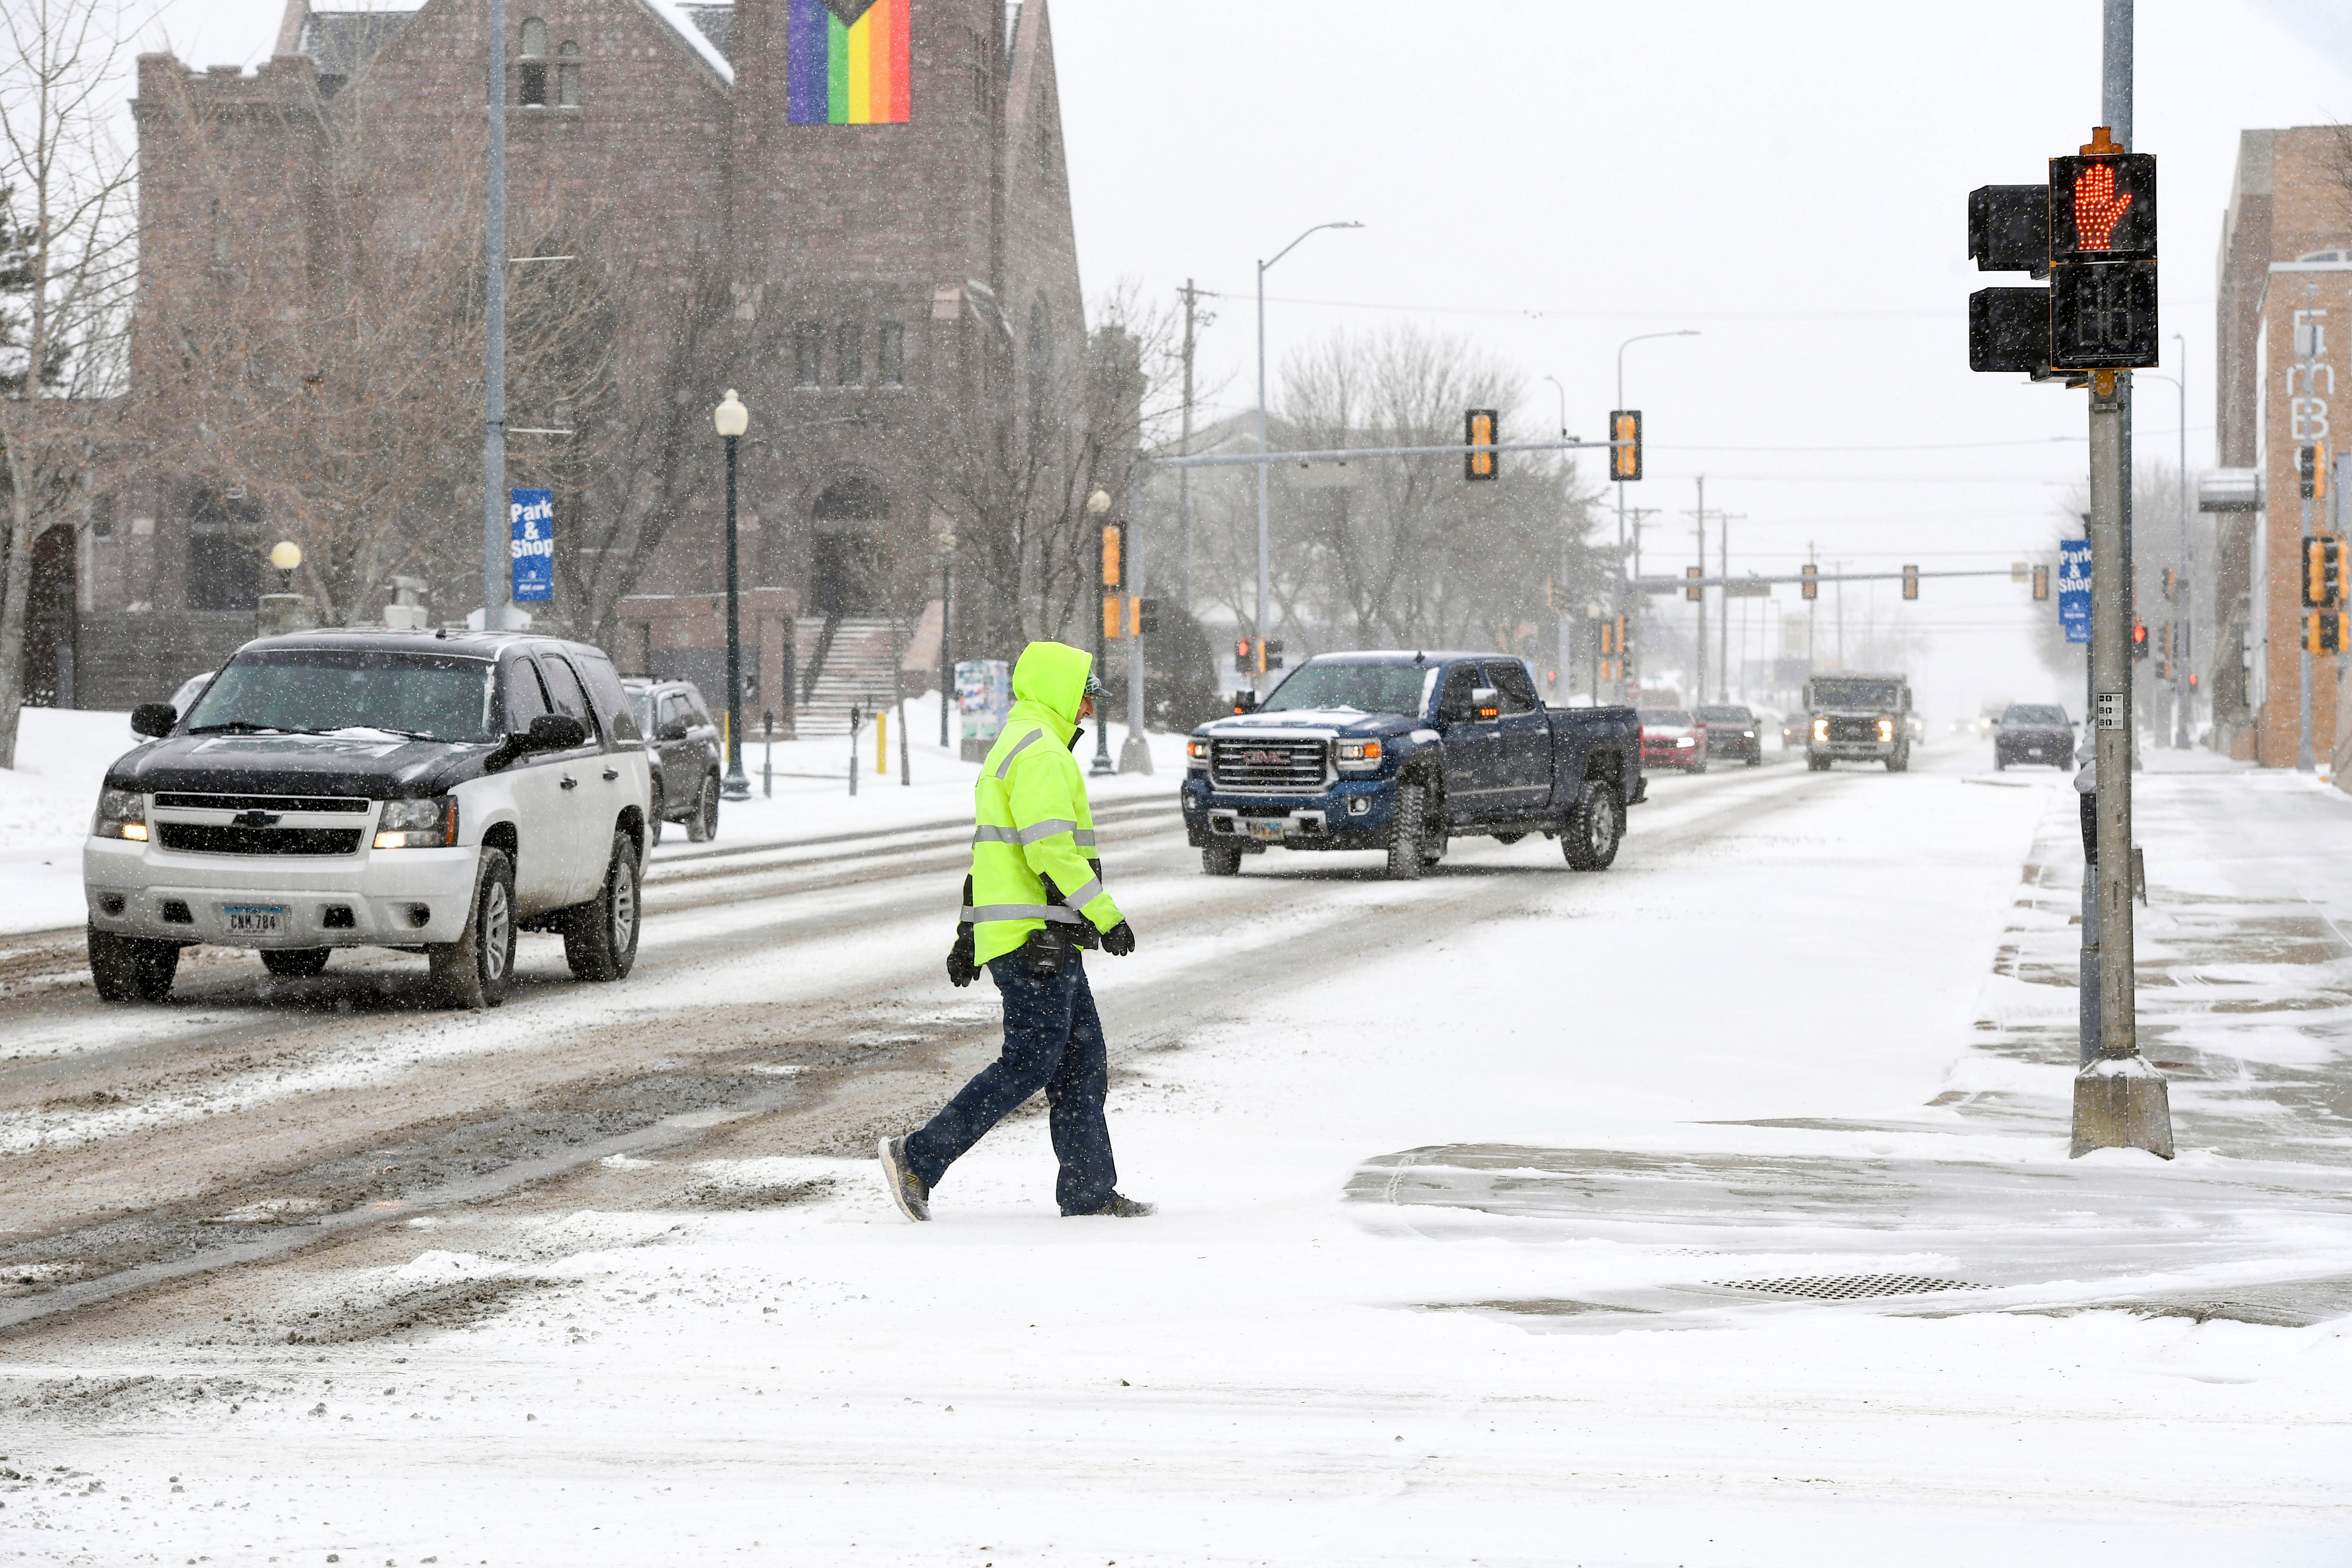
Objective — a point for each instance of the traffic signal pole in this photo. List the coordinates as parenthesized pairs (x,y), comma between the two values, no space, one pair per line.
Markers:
(2120,1101)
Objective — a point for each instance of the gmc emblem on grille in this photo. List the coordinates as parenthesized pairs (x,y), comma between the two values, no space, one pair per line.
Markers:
(1267,759)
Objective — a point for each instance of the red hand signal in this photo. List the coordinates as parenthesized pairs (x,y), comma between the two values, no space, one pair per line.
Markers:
(2097,209)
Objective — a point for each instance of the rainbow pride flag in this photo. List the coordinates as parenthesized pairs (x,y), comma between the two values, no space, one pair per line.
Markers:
(847,72)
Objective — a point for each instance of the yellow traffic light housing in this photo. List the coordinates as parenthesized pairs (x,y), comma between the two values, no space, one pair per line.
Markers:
(1910,582)
(1478,434)
(1625,444)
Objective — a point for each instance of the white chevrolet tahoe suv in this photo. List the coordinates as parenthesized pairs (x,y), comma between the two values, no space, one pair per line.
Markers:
(430,791)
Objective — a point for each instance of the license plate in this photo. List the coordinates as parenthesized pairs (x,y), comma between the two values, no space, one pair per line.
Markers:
(1266,830)
(254,919)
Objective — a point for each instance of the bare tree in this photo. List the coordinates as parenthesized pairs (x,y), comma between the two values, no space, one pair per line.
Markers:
(342,395)
(1400,551)
(67,232)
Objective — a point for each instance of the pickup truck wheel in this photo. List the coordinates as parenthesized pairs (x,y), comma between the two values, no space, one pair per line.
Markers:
(131,968)
(1595,827)
(1899,760)
(703,825)
(600,937)
(473,971)
(1508,838)
(295,962)
(1818,764)
(1221,859)
(1406,850)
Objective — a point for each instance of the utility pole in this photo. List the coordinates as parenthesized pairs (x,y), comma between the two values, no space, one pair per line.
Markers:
(1698,644)
(2120,1101)
(1841,615)
(1724,520)
(1194,318)
(497,582)
(1812,612)
(2308,348)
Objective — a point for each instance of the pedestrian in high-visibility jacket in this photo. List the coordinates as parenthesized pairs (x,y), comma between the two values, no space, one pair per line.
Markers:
(1033,903)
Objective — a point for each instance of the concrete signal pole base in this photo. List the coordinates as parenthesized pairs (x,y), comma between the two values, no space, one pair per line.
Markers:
(1134,754)
(2121,1102)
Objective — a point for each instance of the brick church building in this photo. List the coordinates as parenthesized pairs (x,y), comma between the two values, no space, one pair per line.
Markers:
(853,212)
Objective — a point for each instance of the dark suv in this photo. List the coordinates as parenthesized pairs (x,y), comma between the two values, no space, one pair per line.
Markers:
(1733,733)
(682,744)
(2034,732)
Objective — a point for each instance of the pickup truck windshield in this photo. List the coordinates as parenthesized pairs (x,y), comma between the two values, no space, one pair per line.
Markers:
(1366,687)
(319,691)
(1877,694)
(2026,714)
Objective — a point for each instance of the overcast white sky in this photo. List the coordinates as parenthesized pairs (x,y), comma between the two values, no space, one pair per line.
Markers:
(1548,178)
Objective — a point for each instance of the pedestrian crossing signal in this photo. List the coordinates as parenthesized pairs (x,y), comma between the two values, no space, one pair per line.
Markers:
(2323,572)
(1625,444)
(1812,586)
(2041,581)
(2140,638)
(1478,434)
(2171,584)
(1241,660)
(1910,582)
(2324,631)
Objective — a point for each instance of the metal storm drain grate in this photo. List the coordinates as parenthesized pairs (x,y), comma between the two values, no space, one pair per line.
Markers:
(1848,1287)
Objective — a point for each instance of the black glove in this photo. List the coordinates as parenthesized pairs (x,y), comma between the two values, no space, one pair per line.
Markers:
(963,967)
(1120,940)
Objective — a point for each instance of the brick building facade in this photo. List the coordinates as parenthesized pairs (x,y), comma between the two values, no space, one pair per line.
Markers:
(2284,344)
(878,276)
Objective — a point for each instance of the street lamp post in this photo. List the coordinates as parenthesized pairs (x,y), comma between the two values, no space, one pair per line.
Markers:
(1629,342)
(733,419)
(946,654)
(1099,508)
(1265,551)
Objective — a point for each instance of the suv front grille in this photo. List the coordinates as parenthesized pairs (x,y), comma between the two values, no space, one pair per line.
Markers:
(1853,729)
(206,838)
(1268,766)
(338,803)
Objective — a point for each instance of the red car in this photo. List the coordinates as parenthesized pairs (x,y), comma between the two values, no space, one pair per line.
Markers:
(1673,738)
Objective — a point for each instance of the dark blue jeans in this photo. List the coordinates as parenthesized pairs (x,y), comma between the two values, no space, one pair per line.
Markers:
(1053,1041)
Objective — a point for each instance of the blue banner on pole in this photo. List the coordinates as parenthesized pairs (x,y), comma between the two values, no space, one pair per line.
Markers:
(2075,588)
(532,550)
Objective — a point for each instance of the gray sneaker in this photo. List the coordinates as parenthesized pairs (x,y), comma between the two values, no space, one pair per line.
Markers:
(906,1189)
(1118,1208)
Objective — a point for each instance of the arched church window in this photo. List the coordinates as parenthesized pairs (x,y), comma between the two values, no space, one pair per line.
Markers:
(567,74)
(532,71)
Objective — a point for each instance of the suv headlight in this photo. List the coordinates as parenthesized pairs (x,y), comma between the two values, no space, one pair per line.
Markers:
(1887,729)
(1360,754)
(1821,729)
(122,813)
(417,824)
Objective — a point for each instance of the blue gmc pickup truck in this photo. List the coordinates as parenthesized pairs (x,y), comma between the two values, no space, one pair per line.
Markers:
(1400,752)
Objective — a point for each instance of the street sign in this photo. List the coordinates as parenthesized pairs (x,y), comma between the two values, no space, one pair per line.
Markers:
(1748,590)
(2075,588)
(530,549)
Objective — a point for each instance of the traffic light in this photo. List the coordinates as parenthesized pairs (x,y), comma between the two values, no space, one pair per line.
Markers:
(1478,431)
(2009,330)
(2311,471)
(1273,653)
(2171,584)
(2324,631)
(1241,660)
(2103,281)
(1812,586)
(1110,617)
(2009,229)
(1110,562)
(1910,582)
(2140,638)
(2041,581)
(2323,572)
(1625,449)
(1146,616)
(1694,590)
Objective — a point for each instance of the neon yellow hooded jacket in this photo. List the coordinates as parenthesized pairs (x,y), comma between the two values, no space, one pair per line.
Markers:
(1031,810)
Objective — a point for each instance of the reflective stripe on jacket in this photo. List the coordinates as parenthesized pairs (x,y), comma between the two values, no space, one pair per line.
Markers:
(1030,806)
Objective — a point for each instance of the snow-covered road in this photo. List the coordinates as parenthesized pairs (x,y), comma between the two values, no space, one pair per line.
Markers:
(1466,1189)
